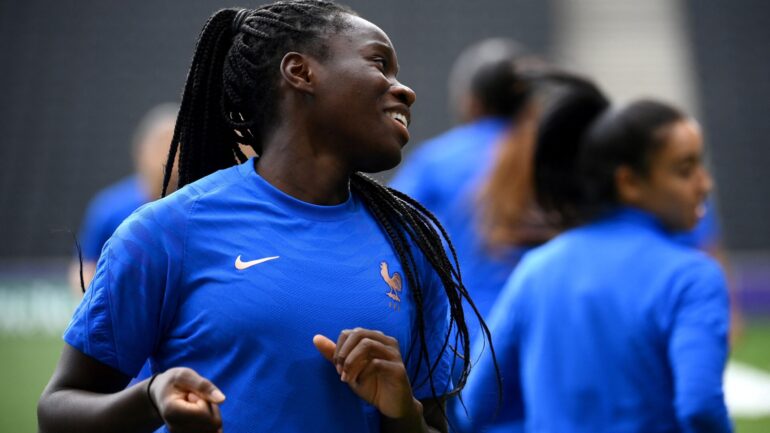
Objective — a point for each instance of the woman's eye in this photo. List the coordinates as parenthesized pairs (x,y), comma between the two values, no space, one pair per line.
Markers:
(381,62)
(686,171)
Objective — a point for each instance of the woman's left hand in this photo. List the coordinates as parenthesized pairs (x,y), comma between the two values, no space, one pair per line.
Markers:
(370,363)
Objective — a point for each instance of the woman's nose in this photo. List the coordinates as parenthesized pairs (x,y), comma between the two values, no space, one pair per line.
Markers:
(404,94)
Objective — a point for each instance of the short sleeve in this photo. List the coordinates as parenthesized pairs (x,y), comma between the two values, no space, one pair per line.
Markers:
(132,296)
(436,319)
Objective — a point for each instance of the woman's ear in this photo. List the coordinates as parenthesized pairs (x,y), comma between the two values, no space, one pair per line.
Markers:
(297,72)
(629,185)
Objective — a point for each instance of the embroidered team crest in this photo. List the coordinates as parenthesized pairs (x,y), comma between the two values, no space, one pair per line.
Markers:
(395,285)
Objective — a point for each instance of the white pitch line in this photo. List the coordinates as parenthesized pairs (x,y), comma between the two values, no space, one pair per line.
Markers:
(747,391)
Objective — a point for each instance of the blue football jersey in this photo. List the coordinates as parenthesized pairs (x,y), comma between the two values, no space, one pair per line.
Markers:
(233,278)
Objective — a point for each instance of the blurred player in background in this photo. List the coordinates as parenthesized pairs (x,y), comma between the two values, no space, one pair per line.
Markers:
(612,325)
(114,203)
(476,177)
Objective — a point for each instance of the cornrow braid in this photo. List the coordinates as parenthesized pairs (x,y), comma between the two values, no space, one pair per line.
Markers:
(409,216)
(229,99)
(197,120)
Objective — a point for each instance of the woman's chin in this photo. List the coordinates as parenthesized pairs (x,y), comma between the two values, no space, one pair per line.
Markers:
(384,162)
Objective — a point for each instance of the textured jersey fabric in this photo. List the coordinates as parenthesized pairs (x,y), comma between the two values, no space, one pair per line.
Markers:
(106,211)
(610,327)
(232,277)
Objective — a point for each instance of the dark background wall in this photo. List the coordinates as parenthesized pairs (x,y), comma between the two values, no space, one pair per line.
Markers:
(75,77)
(730,42)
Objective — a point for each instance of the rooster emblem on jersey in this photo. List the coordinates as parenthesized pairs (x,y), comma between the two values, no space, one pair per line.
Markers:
(395,285)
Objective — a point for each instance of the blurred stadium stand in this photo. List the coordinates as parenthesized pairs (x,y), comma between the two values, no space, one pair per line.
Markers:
(77,76)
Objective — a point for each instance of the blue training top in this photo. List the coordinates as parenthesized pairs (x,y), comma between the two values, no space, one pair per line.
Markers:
(610,327)
(233,278)
(105,213)
(445,174)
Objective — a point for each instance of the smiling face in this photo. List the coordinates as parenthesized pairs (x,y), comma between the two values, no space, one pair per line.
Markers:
(677,183)
(361,105)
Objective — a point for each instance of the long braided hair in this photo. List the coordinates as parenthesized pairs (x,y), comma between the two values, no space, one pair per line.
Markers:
(229,99)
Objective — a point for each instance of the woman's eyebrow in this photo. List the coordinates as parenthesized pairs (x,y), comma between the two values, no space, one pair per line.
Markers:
(388,50)
(689,159)
(380,44)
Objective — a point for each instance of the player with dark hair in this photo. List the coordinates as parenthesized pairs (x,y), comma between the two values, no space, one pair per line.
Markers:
(476,174)
(612,325)
(477,177)
(226,284)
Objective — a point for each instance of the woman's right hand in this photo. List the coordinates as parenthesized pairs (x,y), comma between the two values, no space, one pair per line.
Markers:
(186,401)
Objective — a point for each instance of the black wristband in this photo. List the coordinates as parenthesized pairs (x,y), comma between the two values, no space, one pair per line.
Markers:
(149,397)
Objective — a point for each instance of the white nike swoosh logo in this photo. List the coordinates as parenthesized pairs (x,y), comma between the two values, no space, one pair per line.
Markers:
(240,265)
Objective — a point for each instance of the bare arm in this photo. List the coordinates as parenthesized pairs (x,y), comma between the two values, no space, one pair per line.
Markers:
(86,396)
(73,276)
(370,363)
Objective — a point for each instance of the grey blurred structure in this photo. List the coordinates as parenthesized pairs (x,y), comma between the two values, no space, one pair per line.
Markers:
(708,57)
(75,78)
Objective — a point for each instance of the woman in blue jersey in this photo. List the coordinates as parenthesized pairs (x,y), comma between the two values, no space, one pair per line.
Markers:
(310,296)
(475,178)
(612,325)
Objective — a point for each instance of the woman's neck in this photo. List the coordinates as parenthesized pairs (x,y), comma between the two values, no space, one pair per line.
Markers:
(292,163)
